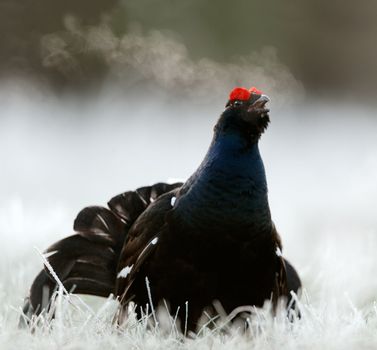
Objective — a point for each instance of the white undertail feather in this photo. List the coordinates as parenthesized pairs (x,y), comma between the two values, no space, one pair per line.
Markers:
(125,272)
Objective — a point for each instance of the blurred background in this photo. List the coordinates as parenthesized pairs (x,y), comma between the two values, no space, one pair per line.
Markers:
(326,45)
(98,97)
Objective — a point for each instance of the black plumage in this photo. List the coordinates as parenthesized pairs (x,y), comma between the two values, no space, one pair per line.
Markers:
(211,238)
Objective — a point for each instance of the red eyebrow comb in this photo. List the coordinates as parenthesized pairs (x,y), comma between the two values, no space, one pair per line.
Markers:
(256,91)
(239,93)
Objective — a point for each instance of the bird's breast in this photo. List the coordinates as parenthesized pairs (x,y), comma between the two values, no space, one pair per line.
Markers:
(215,206)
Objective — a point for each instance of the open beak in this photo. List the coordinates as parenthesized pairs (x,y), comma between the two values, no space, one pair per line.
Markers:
(260,102)
(259,105)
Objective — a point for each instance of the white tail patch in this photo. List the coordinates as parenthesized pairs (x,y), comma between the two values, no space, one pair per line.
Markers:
(154,240)
(125,271)
(172,201)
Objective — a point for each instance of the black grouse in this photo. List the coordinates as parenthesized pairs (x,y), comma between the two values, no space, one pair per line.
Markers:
(210,238)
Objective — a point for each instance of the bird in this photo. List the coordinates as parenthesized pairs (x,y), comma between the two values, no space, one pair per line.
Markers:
(210,239)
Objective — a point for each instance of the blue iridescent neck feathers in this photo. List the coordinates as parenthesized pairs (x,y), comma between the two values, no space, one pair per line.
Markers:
(229,187)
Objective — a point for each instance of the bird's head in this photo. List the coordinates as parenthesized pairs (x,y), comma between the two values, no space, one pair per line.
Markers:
(246,112)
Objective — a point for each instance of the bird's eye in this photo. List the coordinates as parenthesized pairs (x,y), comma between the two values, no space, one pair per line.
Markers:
(237,103)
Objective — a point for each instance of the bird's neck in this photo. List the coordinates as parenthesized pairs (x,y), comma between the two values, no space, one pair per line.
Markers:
(229,186)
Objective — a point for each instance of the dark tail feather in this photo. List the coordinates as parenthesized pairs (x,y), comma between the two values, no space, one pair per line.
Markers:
(293,280)
(129,205)
(39,298)
(86,262)
(293,285)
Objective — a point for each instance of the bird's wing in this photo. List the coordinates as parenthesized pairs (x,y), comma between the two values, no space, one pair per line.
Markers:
(86,262)
(281,278)
(293,279)
(287,279)
(281,288)
(141,242)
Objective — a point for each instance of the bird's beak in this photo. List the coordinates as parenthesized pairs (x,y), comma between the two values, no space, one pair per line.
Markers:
(260,102)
